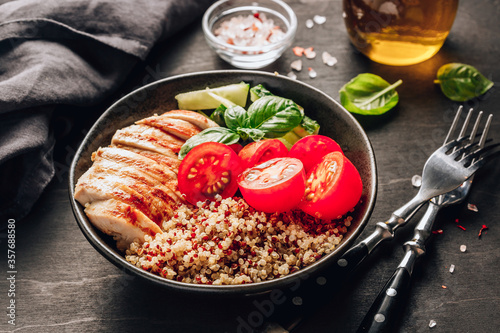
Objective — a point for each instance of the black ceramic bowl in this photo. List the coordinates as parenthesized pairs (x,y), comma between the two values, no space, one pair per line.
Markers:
(157,97)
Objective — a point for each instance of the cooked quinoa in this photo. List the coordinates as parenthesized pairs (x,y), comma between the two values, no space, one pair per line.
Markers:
(228,242)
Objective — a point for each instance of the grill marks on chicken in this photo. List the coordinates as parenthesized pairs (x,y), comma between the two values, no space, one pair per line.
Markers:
(177,127)
(120,220)
(132,185)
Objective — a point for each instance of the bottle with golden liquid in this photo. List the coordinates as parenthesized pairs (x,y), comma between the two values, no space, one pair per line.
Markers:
(399,32)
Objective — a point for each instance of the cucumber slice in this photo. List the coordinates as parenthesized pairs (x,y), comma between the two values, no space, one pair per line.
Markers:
(289,139)
(204,100)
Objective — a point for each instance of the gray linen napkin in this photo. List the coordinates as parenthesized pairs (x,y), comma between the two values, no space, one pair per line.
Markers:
(71,53)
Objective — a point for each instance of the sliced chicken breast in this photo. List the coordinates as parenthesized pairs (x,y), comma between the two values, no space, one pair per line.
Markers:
(177,127)
(148,138)
(166,161)
(130,159)
(100,185)
(165,188)
(192,117)
(121,221)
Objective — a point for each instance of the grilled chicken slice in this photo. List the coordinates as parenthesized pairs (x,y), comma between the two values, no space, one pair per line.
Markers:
(131,159)
(177,127)
(164,188)
(148,138)
(100,184)
(168,162)
(192,117)
(121,221)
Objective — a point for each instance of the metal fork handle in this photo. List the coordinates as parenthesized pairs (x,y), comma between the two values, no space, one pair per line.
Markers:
(383,231)
(386,309)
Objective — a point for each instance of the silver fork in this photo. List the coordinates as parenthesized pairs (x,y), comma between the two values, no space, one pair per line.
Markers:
(446,169)
(385,310)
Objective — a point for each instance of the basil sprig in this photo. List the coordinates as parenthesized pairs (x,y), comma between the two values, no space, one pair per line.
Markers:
(268,117)
(461,82)
(274,115)
(369,94)
(212,134)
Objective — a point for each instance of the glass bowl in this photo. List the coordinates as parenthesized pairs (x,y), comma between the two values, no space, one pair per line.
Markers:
(255,56)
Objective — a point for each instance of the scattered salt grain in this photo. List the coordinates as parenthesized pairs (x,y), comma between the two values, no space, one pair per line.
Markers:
(463,248)
(298,51)
(328,59)
(312,73)
(432,323)
(309,53)
(309,23)
(318,19)
(472,207)
(452,268)
(292,75)
(416,181)
(296,65)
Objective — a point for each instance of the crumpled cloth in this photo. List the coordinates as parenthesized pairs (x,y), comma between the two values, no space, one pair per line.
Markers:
(61,52)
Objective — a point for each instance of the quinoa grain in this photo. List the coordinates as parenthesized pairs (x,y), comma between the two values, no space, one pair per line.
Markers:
(228,242)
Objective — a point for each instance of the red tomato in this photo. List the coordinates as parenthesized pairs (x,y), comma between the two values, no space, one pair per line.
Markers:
(311,149)
(236,147)
(209,169)
(261,151)
(276,185)
(333,187)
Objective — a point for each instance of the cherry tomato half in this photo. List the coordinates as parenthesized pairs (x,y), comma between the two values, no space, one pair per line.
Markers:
(236,147)
(333,187)
(209,169)
(276,185)
(312,148)
(261,151)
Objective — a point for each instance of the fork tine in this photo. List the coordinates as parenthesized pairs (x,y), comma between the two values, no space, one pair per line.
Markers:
(485,132)
(453,124)
(466,123)
(476,126)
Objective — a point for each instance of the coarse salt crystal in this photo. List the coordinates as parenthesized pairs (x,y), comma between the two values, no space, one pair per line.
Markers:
(298,51)
(309,53)
(292,75)
(432,323)
(309,23)
(416,181)
(249,30)
(328,59)
(452,268)
(297,65)
(472,207)
(463,248)
(318,19)
(312,73)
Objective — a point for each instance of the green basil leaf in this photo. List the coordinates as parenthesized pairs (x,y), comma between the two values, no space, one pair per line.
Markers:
(259,91)
(212,134)
(461,82)
(218,115)
(274,115)
(369,94)
(253,133)
(235,117)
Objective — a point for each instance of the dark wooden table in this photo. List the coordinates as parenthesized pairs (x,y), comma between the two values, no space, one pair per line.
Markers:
(64,285)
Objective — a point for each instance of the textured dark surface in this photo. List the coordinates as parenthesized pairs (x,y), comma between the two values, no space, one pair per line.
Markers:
(64,285)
